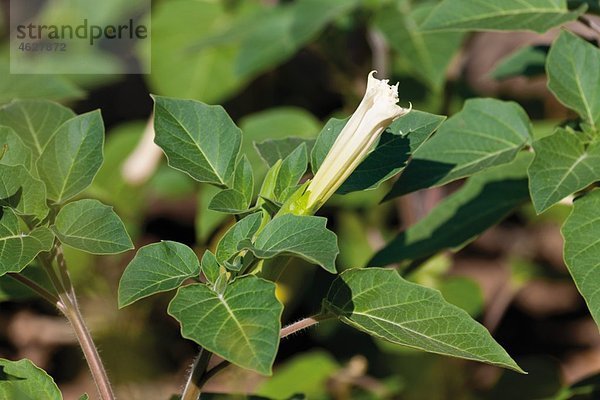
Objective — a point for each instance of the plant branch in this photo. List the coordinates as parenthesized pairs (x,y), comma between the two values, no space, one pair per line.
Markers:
(67,304)
(50,297)
(193,387)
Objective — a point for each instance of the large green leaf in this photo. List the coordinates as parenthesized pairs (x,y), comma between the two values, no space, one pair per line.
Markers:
(306,237)
(93,227)
(427,54)
(581,232)
(12,149)
(564,163)
(18,249)
(22,192)
(487,132)
(180,68)
(198,139)
(72,156)
(402,138)
(527,61)
(535,15)
(381,303)
(573,67)
(22,380)
(243,229)
(325,141)
(482,202)
(277,33)
(158,267)
(35,121)
(241,325)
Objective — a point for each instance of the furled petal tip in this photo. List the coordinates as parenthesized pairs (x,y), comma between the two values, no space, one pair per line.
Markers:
(385,98)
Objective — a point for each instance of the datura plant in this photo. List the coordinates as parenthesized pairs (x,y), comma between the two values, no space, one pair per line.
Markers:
(226,301)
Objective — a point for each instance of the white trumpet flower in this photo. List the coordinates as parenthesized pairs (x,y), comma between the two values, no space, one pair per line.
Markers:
(377,110)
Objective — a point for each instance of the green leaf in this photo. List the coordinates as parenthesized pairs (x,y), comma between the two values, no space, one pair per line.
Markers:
(315,368)
(198,139)
(156,268)
(16,152)
(243,180)
(179,67)
(72,156)
(243,229)
(210,267)
(564,163)
(581,232)
(381,303)
(306,237)
(241,325)
(481,203)
(534,15)
(18,249)
(272,150)
(291,170)
(22,380)
(93,227)
(427,54)
(278,32)
(35,121)
(84,396)
(22,192)
(527,61)
(573,68)
(487,132)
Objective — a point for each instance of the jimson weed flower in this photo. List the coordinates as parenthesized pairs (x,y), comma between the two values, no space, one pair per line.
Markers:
(377,110)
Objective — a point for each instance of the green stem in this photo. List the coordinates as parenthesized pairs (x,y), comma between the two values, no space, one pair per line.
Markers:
(50,297)
(193,387)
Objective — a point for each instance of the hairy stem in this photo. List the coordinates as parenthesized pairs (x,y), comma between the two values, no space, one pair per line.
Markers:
(193,387)
(67,304)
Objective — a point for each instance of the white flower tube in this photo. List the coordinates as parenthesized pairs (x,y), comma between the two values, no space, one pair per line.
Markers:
(377,110)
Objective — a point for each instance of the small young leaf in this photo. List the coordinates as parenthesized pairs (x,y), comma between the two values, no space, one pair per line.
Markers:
(381,303)
(487,132)
(306,237)
(563,164)
(18,249)
(242,325)
(22,192)
(198,139)
(72,157)
(23,380)
(272,150)
(157,268)
(243,229)
(482,202)
(243,179)
(292,169)
(93,227)
(16,151)
(35,121)
(210,267)
(325,141)
(535,15)
(581,232)
(573,67)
